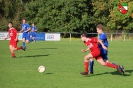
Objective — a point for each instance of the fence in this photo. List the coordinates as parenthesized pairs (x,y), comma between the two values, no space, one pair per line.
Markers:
(75,35)
(110,36)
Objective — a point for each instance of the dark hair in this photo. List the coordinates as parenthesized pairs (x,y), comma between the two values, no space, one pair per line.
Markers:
(84,34)
(99,26)
(24,19)
(10,22)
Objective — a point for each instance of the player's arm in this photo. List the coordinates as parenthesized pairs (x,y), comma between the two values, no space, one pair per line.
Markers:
(7,37)
(85,50)
(101,42)
(16,32)
(21,30)
(16,39)
(35,29)
(28,28)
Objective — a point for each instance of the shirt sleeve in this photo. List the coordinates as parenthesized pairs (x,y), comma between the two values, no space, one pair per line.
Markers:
(103,37)
(35,28)
(28,26)
(15,30)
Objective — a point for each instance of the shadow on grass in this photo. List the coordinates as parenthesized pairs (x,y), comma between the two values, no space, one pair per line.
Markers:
(35,55)
(114,73)
(49,73)
(41,48)
(129,71)
(47,48)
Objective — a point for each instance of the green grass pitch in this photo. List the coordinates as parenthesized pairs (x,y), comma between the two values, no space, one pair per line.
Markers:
(64,62)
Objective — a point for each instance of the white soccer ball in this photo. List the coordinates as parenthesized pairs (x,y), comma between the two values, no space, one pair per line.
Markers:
(41,69)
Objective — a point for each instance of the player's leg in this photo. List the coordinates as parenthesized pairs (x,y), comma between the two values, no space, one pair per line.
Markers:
(27,38)
(24,44)
(17,48)
(30,39)
(34,35)
(105,56)
(86,64)
(91,55)
(23,40)
(34,39)
(14,47)
(119,68)
(108,64)
(12,51)
(91,63)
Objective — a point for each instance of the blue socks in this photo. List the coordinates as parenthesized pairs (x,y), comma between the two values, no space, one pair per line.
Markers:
(24,45)
(91,65)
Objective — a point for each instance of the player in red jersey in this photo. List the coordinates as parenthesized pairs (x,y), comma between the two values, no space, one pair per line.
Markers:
(92,44)
(13,35)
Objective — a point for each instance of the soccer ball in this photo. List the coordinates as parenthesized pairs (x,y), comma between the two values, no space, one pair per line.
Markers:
(41,69)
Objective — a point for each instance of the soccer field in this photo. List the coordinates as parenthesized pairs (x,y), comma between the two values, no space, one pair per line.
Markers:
(64,62)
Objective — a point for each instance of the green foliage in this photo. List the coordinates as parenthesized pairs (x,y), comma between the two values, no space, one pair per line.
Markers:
(106,12)
(120,21)
(66,15)
(57,15)
(10,11)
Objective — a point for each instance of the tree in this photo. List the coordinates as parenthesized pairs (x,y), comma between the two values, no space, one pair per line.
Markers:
(106,12)
(58,15)
(10,11)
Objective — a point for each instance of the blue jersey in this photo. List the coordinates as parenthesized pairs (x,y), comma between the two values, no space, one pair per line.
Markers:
(104,52)
(25,27)
(33,28)
(103,37)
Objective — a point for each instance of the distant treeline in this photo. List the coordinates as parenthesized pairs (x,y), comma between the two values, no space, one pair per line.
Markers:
(67,15)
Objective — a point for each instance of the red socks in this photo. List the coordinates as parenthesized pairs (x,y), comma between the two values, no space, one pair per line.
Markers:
(18,48)
(12,54)
(86,66)
(108,64)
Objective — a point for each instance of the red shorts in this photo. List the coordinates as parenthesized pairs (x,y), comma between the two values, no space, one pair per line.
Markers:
(13,43)
(96,54)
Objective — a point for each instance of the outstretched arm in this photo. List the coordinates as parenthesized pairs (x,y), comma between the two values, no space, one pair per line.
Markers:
(16,37)
(21,30)
(7,37)
(85,50)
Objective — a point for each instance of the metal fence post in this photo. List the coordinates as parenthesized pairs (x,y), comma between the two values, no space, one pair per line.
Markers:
(124,37)
(70,36)
(111,37)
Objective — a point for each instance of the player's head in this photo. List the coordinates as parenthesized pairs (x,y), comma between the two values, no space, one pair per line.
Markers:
(99,28)
(10,24)
(84,36)
(33,24)
(24,21)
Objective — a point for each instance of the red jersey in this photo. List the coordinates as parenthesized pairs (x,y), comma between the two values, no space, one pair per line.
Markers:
(92,43)
(12,32)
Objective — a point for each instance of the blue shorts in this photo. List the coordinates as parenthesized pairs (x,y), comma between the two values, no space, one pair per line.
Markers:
(26,36)
(33,34)
(104,54)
